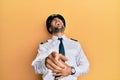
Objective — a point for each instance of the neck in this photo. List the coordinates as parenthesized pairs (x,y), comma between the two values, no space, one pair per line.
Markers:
(58,34)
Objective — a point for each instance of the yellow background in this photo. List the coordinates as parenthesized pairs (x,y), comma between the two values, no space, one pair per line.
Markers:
(95,23)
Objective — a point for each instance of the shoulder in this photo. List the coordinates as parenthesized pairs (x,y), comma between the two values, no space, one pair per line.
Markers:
(44,42)
(73,40)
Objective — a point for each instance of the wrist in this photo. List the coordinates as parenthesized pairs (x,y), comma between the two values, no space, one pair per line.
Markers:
(73,71)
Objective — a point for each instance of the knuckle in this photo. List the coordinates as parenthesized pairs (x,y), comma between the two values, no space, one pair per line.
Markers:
(54,70)
(49,56)
(53,53)
(47,65)
(57,67)
(46,59)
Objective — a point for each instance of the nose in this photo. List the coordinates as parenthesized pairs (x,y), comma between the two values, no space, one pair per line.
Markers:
(57,23)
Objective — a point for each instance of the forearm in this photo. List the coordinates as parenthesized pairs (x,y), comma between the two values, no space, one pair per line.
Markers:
(82,63)
(82,69)
(39,66)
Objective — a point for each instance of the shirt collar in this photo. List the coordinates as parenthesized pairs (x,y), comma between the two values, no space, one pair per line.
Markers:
(56,37)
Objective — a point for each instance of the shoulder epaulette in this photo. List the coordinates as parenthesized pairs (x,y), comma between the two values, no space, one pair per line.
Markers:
(43,42)
(73,39)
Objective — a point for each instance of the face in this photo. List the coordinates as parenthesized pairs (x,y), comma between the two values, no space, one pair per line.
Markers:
(56,22)
(57,25)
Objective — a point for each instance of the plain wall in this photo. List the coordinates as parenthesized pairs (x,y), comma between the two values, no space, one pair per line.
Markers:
(94,23)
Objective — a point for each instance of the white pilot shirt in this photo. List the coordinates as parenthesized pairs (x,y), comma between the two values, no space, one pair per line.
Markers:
(73,52)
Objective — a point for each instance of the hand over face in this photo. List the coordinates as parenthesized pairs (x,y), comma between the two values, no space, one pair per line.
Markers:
(55,62)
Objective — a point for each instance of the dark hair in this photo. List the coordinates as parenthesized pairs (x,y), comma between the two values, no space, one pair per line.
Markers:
(51,17)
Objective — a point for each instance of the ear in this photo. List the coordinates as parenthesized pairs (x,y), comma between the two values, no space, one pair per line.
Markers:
(50,29)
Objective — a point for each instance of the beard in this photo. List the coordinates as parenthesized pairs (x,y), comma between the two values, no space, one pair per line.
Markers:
(57,29)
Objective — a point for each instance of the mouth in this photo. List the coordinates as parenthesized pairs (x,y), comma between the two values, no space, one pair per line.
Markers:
(59,25)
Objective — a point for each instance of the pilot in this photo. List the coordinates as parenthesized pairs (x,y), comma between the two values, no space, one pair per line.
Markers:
(60,58)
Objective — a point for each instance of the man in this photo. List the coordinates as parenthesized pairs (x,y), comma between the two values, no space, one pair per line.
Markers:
(60,58)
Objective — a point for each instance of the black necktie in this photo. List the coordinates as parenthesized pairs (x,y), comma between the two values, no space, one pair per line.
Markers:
(61,50)
(61,47)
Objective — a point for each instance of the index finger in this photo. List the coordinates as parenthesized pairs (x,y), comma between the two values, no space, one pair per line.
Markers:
(59,56)
(63,58)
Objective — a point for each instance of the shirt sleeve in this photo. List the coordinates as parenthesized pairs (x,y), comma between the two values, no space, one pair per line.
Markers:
(39,62)
(82,63)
